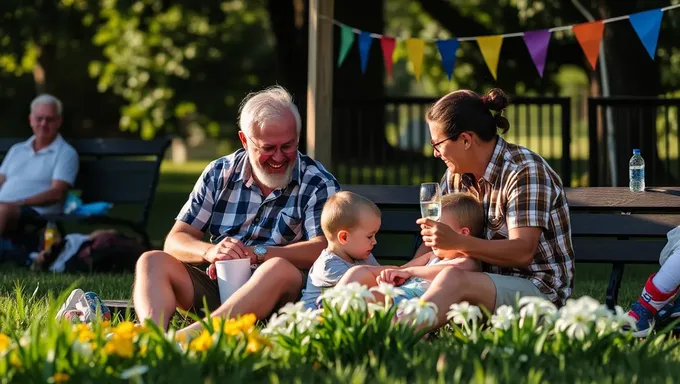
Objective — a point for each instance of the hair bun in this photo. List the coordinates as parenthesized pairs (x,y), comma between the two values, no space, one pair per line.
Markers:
(495,100)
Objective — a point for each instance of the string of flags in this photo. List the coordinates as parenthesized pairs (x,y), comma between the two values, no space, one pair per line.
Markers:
(646,24)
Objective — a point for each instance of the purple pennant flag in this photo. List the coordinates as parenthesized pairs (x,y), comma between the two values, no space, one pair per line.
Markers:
(365,40)
(537,43)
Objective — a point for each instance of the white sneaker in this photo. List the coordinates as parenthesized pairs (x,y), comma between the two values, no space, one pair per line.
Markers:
(70,303)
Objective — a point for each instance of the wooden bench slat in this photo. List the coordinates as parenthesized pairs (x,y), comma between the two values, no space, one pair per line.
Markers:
(609,224)
(598,250)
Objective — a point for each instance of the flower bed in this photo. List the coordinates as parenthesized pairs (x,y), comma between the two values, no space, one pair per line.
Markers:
(351,339)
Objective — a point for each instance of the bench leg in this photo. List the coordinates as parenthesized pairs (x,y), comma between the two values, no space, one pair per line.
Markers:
(614,284)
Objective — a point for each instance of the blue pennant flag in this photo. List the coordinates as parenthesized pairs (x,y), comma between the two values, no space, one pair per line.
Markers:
(365,41)
(647,25)
(447,50)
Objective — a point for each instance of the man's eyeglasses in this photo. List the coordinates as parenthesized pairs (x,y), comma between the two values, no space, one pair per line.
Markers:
(436,145)
(269,150)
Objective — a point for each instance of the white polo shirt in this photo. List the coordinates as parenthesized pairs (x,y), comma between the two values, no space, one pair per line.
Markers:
(29,173)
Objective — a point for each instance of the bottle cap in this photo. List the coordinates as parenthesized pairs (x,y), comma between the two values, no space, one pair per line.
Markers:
(636,151)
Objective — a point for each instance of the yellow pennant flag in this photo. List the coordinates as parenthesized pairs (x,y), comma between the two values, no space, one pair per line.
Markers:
(491,50)
(416,49)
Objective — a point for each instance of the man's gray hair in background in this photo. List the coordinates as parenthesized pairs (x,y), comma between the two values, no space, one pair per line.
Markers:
(266,105)
(47,99)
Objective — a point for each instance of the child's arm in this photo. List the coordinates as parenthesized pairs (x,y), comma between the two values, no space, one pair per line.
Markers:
(399,276)
(418,261)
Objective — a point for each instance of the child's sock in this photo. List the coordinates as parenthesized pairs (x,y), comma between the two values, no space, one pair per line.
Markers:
(668,277)
(653,298)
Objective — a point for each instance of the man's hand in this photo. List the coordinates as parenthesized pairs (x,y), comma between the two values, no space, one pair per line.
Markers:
(437,235)
(227,249)
(395,277)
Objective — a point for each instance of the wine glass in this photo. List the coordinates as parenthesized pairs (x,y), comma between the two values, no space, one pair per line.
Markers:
(430,201)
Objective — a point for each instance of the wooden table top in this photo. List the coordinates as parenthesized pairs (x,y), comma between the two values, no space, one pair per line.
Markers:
(657,199)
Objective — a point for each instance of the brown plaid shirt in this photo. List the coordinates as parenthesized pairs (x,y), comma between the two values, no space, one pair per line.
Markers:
(519,189)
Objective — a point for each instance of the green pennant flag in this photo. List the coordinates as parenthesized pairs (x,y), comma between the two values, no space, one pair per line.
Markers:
(346,40)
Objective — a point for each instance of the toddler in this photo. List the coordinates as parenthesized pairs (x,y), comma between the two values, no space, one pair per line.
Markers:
(349,222)
(460,211)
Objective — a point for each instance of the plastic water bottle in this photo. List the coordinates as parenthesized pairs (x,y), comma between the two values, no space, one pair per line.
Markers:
(636,169)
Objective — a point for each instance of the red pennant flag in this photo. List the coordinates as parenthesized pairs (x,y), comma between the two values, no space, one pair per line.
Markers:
(589,35)
(387,44)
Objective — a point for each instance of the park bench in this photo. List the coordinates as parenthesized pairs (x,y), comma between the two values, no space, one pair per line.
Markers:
(610,225)
(118,171)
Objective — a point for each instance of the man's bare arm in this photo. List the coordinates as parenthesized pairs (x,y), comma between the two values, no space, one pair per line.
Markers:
(54,195)
(301,254)
(2,179)
(184,243)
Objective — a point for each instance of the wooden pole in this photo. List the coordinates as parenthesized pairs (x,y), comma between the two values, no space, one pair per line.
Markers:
(320,81)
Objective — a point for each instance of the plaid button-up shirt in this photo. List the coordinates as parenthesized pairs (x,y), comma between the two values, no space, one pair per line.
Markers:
(226,202)
(519,189)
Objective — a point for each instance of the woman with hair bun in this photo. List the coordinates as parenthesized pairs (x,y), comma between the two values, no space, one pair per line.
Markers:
(526,249)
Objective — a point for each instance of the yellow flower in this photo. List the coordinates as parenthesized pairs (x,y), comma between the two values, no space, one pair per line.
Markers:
(253,344)
(248,321)
(217,323)
(201,343)
(256,342)
(84,333)
(120,346)
(59,377)
(5,342)
(15,360)
(126,330)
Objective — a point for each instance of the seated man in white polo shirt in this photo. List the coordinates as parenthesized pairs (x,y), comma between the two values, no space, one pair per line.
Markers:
(37,173)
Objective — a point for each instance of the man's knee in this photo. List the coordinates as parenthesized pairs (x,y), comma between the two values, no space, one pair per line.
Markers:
(152,260)
(282,271)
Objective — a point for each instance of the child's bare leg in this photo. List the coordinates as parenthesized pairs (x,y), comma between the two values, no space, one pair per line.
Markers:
(362,274)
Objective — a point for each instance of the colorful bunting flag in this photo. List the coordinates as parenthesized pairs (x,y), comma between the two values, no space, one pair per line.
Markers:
(415,49)
(647,25)
(589,35)
(491,50)
(346,40)
(365,40)
(447,50)
(387,44)
(537,43)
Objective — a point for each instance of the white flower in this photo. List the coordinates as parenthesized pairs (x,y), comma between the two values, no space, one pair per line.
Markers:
(292,309)
(418,312)
(292,317)
(503,317)
(463,313)
(535,306)
(136,371)
(389,291)
(307,320)
(351,296)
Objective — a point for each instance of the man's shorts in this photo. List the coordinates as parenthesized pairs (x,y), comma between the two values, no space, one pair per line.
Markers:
(205,287)
(510,288)
(27,213)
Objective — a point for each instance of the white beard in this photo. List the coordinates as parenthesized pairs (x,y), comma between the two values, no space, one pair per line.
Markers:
(272,180)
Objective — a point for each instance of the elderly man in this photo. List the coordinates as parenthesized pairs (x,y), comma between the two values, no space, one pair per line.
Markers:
(261,202)
(37,173)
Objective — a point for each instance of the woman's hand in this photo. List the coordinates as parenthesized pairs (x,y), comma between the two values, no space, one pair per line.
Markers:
(437,235)
(395,277)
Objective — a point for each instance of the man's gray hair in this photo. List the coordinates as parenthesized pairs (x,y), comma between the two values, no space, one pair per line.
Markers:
(266,105)
(47,99)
